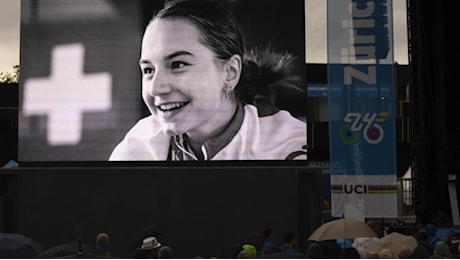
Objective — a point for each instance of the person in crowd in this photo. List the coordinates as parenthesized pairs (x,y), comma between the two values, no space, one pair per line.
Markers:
(452,239)
(345,243)
(272,248)
(210,98)
(421,251)
(315,251)
(455,246)
(150,230)
(140,253)
(441,250)
(244,254)
(290,242)
(165,252)
(102,244)
(151,246)
(362,244)
(404,252)
(432,238)
(269,245)
(248,251)
(331,249)
(350,253)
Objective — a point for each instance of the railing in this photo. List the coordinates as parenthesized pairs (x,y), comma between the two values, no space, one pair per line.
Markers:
(406,207)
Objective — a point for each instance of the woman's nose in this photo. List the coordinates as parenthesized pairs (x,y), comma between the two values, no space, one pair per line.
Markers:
(159,84)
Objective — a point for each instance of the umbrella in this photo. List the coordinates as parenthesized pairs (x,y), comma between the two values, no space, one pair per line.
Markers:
(16,245)
(71,250)
(342,228)
(395,242)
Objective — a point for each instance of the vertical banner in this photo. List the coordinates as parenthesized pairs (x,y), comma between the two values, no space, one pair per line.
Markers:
(361,108)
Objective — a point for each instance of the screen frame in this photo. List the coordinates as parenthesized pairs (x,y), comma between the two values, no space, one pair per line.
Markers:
(145,17)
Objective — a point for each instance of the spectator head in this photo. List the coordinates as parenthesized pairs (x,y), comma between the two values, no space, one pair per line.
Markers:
(245,254)
(151,245)
(350,253)
(289,237)
(140,253)
(251,249)
(102,239)
(165,252)
(449,235)
(268,233)
(430,229)
(421,237)
(442,249)
(315,251)
(405,252)
(456,238)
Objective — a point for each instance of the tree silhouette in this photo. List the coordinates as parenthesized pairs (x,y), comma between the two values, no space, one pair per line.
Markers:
(10,77)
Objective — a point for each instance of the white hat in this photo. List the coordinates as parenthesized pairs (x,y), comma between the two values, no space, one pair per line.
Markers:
(150,243)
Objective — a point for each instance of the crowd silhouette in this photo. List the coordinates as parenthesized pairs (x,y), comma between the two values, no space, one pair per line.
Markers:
(268,245)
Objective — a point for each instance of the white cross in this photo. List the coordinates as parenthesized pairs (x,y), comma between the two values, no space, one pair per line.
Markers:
(66,94)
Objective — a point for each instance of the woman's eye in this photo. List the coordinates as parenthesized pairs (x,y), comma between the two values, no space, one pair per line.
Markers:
(147,71)
(178,65)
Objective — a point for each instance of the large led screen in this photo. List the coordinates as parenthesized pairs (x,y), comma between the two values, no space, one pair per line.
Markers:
(143,81)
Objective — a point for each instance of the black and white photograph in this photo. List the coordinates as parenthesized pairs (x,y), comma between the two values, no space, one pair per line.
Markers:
(162,81)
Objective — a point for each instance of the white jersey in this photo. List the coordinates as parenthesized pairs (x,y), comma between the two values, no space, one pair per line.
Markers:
(275,137)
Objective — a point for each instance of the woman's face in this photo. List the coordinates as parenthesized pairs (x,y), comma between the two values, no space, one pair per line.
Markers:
(183,81)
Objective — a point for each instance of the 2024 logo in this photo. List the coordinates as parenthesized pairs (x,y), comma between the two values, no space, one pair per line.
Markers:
(367,124)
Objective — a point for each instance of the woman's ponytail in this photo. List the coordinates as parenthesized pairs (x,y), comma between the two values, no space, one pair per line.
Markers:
(270,77)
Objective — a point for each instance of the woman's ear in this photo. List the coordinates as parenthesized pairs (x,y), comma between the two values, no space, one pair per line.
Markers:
(233,71)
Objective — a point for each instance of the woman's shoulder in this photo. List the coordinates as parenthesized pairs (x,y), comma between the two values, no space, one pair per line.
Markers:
(144,127)
(138,143)
(281,118)
(280,134)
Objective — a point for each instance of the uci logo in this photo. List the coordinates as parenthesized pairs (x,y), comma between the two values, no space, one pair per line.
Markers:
(358,189)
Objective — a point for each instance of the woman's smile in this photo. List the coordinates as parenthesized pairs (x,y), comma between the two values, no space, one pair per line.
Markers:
(171,106)
(169,112)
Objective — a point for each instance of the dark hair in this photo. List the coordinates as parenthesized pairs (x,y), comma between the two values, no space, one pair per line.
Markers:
(165,252)
(350,253)
(421,236)
(289,236)
(269,77)
(315,251)
(220,29)
(140,253)
(264,71)
(267,232)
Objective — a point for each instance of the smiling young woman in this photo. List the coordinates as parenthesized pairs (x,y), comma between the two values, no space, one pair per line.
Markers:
(208,99)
